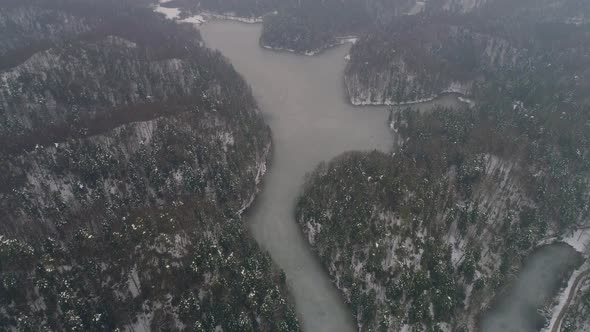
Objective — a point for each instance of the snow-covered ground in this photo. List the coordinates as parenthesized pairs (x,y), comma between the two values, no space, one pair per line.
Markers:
(232,17)
(174,13)
(418,8)
(580,241)
(459,87)
(564,299)
(366,98)
(197,20)
(261,168)
(339,41)
(388,102)
(170,13)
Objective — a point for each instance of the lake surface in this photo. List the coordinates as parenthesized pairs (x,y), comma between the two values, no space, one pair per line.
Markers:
(303,100)
(538,281)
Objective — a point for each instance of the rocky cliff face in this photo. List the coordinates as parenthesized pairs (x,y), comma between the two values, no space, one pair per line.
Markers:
(129,154)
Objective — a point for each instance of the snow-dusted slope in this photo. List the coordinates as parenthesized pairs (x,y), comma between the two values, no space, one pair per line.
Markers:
(403,66)
(128,156)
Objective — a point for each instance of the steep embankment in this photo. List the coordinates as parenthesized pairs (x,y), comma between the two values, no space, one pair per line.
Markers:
(128,157)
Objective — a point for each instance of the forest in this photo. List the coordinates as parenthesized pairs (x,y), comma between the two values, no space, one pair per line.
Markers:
(479,187)
(129,154)
(428,235)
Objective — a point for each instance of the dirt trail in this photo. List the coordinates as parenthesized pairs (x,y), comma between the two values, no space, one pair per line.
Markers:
(571,295)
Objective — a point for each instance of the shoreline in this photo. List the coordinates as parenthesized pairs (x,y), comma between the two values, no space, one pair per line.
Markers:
(579,240)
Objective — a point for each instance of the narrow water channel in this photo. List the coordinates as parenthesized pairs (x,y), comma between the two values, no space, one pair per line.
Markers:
(303,101)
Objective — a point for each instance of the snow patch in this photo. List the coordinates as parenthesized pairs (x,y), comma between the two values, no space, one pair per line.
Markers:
(227,140)
(143,321)
(121,41)
(196,20)
(170,13)
(339,41)
(418,8)
(203,17)
(134,283)
(467,101)
(233,17)
(579,240)
(458,87)
(388,102)
(261,170)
